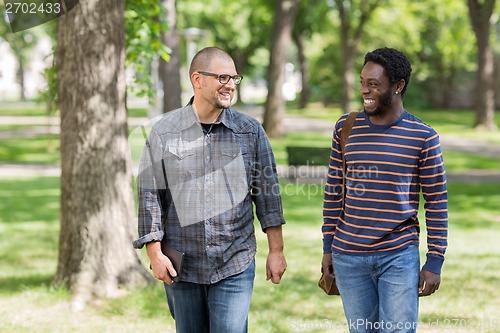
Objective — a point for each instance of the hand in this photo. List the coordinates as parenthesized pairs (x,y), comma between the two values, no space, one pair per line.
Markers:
(275,266)
(428,283)
(161,266)
(327,265)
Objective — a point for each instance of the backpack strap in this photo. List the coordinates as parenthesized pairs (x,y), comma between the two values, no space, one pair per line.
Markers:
(344,136)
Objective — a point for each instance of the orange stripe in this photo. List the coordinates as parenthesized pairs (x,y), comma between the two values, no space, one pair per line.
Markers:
(432,137)
(410,129)
(366,218)
(361,180)
(388,136)
(432,166)
(437,237)
(383,162)
(382,210)
(435,252)
(382,191)
(383,144)
(438,246)
(433,147)
(436,210)
(365,251)
(365,227)
(434,175)
(430,157)
(416,123)
(380,153)
(388,201)
(437,228)
(434,184)
(378,244)
(437,201)
(434,193)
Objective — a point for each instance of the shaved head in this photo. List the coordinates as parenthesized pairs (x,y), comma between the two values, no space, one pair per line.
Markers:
(203,59)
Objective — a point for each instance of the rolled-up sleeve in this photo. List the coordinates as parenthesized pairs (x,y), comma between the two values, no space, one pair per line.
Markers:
(150,184)
(266,192)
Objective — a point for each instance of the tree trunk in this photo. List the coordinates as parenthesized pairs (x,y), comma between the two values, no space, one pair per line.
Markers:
(170,71)
(485,86)
(96,256)
(350,35)
(20,73)
(304,71)
(275,104)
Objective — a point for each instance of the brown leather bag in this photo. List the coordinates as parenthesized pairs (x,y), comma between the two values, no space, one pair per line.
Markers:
(326,281)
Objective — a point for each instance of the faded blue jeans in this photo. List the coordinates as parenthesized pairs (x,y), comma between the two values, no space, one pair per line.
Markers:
(379,292)
(221,307)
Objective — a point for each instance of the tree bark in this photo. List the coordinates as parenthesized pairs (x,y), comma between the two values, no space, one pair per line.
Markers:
(274,110)
(170,71)
(96,256)
(485,86)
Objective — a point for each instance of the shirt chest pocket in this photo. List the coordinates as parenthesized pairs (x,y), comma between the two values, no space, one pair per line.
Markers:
(181,164)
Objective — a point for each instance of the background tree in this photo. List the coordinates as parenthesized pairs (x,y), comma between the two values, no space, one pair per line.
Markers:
(21,43)
(170,70)
(239,27)
(310,18)
(353,14)
(274,108)
(97,206)
(480,15)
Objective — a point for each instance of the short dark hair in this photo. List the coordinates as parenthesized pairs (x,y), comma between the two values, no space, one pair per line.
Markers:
(396,65)
(202,60)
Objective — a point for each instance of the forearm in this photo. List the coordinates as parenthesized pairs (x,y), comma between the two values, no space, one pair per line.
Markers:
(275,239)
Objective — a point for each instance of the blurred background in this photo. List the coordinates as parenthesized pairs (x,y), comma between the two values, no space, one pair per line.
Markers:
(75,90)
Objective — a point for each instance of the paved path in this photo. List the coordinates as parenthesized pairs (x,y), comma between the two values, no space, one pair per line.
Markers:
(292,123)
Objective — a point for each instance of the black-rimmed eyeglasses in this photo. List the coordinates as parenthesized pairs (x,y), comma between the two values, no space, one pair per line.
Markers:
(224,78)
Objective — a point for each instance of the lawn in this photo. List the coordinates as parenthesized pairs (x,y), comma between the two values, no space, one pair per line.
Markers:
(28,256)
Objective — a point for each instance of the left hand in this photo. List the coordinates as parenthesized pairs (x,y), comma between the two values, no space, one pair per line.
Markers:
(275,266)
(428,283)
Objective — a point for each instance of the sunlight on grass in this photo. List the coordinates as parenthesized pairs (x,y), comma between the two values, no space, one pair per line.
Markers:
(29,210)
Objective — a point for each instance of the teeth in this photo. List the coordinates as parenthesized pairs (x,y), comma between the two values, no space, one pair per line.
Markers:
(369,101)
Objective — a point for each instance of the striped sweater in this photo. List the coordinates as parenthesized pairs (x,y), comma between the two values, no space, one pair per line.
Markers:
(387,167)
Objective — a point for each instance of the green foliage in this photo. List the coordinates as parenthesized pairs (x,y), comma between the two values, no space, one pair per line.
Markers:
(144,22)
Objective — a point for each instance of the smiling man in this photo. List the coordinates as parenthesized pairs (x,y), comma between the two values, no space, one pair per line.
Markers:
(372,236)
(203,167)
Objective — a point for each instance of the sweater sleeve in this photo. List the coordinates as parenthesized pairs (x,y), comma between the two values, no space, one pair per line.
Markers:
(332,202)
(433,183)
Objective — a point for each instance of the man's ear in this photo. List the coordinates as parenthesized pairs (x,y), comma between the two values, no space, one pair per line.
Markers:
(196,80)
(400,86)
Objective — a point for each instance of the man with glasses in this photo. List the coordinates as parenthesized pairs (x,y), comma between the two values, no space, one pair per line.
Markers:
(203,167)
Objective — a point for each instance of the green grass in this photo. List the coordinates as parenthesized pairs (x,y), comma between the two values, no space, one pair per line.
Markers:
(40,149)
(29,226)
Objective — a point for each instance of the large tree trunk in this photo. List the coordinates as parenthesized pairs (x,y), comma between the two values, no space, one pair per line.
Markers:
(275,104)
(485,87)
(170,71)
(96,255)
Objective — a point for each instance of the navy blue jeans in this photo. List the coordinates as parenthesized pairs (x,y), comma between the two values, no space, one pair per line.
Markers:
(217,308)
(379,292)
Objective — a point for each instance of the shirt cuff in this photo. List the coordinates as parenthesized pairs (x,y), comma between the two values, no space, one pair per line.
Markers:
(433,264)
(151,237)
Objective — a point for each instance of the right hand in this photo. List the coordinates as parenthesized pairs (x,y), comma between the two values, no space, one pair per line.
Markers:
(327,265)
(162,267)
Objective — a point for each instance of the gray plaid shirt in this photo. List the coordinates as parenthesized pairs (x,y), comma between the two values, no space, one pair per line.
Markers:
(196,191)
